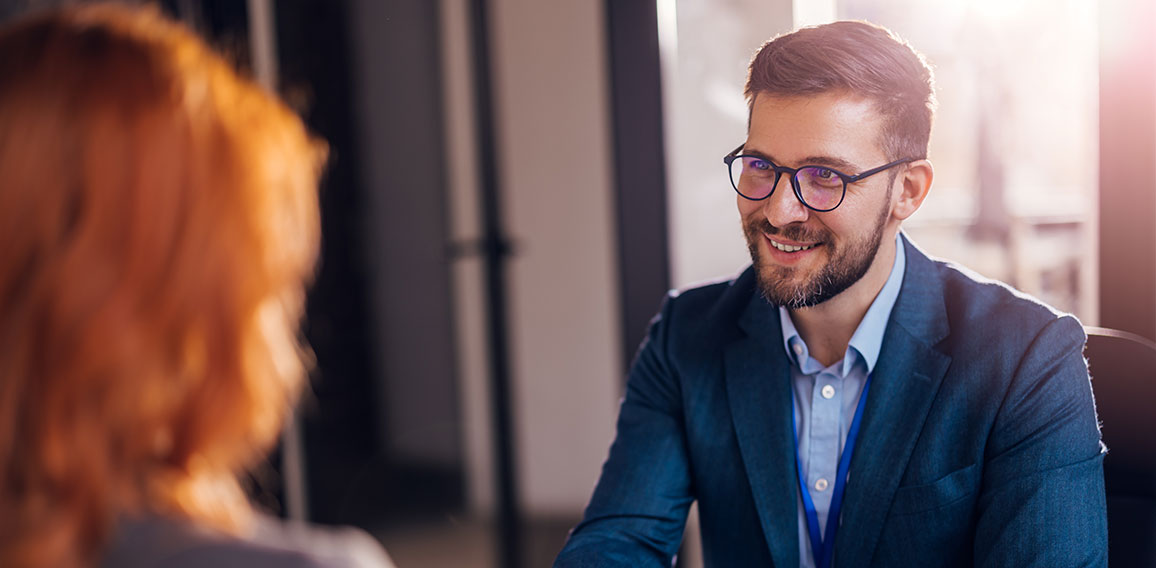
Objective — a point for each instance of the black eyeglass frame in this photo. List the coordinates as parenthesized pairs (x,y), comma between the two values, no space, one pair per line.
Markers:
(780,170)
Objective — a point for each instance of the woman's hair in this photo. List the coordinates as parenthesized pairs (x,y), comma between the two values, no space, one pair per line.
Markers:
(158,224)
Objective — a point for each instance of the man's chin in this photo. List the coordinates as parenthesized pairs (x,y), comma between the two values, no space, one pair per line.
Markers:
(784,287)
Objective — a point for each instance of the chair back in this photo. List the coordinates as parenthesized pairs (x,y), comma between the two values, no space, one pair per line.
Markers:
(1123,369)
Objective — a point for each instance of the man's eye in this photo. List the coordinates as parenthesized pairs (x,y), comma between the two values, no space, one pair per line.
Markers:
(757,164)
(820,177)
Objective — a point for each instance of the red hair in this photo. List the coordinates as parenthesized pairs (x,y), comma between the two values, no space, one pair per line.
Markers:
(862,59)
(159,222)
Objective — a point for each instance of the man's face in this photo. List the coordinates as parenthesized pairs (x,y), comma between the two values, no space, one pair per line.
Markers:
(825,253)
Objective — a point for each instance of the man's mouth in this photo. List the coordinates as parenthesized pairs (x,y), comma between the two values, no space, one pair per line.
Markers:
(791,248)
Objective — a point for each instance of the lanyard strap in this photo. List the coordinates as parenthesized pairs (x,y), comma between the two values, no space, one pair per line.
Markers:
(823,548)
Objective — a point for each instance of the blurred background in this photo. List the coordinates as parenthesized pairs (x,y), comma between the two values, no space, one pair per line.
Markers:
(514,184)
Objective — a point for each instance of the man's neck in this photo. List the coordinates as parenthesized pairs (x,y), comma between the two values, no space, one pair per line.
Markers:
(828,327)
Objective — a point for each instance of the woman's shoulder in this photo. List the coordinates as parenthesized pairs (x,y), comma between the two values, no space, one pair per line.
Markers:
(335,546)
(151,541)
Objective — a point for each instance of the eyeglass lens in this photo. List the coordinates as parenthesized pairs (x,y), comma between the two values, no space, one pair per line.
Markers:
(755,178)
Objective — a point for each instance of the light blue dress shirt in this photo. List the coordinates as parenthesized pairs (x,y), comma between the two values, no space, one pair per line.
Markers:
(826,397)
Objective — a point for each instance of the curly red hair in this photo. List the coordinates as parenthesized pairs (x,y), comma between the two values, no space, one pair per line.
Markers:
(158,221)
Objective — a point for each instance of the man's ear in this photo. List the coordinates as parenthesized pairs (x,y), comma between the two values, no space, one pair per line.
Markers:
(914,185)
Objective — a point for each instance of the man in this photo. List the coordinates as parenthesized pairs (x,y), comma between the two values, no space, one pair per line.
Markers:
(846,400)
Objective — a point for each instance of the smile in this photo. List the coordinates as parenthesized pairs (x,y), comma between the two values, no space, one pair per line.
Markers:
(790,248)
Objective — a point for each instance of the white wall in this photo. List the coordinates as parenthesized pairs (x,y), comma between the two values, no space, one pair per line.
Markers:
(467,272)
(554,147)
(549,74)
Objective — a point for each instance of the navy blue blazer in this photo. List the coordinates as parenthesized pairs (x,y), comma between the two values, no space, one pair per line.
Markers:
(979,444)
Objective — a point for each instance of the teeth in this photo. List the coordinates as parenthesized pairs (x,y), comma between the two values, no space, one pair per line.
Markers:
(789,248)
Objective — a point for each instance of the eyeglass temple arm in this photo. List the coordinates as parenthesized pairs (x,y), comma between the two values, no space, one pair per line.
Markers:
(727,159)
(873,171)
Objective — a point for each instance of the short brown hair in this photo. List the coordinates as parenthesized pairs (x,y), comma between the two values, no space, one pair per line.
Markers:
(159,217)
(861,58)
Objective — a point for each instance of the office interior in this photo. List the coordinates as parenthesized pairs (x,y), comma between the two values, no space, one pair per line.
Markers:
(514,185)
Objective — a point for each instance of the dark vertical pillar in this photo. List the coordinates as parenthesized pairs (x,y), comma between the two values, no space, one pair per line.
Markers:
(639,165)
(1128,166)
(496,250)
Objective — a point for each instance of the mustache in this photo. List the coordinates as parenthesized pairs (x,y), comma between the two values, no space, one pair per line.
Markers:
(792,232)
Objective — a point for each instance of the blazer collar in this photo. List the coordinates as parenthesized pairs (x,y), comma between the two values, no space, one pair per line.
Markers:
(906,380)
(759,392)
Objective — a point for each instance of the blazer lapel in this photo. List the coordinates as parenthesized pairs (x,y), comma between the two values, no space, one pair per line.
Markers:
(904,384)
(759,392)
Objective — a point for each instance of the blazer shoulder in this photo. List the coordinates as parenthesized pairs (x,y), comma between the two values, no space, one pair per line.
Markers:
(709,306)
(990,308)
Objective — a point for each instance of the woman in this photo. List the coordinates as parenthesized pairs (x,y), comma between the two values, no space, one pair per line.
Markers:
(158,223)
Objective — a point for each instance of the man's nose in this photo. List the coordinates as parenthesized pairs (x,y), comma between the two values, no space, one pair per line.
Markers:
(783,207)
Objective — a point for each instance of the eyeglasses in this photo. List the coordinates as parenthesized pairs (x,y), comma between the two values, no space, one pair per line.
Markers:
(819,188)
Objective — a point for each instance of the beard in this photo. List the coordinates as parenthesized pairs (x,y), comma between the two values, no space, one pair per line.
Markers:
(785,285)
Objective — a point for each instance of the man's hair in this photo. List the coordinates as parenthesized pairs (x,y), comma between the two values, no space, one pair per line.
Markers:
(160,220)
(862,59)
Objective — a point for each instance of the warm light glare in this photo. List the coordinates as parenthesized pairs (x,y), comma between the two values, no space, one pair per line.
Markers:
(667,28)
(1016,139)
(814,12)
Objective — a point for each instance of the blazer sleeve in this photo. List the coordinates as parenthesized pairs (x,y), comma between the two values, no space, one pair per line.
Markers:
(1042,500)
(638,511)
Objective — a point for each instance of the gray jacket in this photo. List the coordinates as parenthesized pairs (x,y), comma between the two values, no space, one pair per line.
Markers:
(154,541)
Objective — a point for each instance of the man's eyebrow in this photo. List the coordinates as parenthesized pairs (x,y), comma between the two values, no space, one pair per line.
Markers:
(826,161)
(832,162)
(761,155)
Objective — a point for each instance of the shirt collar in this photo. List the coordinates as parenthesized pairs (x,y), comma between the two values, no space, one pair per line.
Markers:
(867,340)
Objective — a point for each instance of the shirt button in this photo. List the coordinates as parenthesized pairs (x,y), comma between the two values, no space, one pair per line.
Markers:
(798,349)
(828,392)
(821,485)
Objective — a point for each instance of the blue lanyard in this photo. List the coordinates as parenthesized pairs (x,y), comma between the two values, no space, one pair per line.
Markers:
(823,548)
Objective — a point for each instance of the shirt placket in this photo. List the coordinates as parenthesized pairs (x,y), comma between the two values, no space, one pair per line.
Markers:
(826,408)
